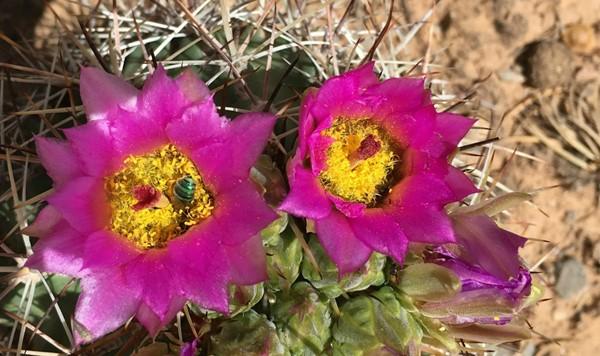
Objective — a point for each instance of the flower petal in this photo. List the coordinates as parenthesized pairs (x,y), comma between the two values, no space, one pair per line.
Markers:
(191,86)
(161,98)
(306,197)
(44,223)
(487,245)
(102,92)
(425,223)
(379,231)
(104,305)
(82,203)
(187,133)
(59,251)
(397,95)
(104,249)
(421,189)
(247,262)
(93,145)
(341,244)
(459,183)
(152,322)
(135,134)
(58,159)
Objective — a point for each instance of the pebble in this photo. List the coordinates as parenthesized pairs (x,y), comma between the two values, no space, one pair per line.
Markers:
(571,278)
(549,64)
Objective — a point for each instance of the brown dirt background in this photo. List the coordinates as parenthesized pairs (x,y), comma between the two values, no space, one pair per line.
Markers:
(479,43)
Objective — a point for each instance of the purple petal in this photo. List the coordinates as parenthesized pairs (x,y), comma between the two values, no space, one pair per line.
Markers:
(421,189)
(240,213)
(189,348)
(487,245)
(58,252)
(152,322)
(306,197)
(453,127)
(104,305)
(199,125)
(306,124)
(247,262)
(459,183)
(161,98)
(44,223)
(411,128)
(191,86)
(425,223)
(135,134)
(105,249)
(58,159)
(102,92)
(379,231)
(397,95)
(93,145)
(82,203)
(348,208)
(341,244)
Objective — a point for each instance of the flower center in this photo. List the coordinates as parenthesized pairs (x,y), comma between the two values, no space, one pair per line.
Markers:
(157,197)
(360,161)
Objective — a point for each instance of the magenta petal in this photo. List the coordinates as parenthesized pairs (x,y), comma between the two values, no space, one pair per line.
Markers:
(240,213)
(200,125)
(379,231)
(44,223)
(93,145)
(58,252)
(421,189)
(247,262)
(102,92)
(104,305)
(161,98)
(459,183)
(306,125)
(82,203)
(348,208)
(191,86)
(425,223)
(104,249)
(58,159)
(414,128)
(341,244)
(306,197)
(453,127)
(149,274)
(135,134)
(398,95)
(152,322)
(487,245)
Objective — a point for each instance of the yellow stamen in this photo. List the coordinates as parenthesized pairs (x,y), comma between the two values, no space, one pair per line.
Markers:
(153,227)
(362,180)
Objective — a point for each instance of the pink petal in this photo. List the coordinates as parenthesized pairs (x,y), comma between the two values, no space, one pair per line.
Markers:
(348,208)
(191,86)
(341,244)
(152,322)
(247,262)
(459,183)
(44,223)
(453,127)
(93,145)
(58,159)
(306,124)
(397,95)
(82,203)
(202,268)
(425,223)
(240,213)
(102,92)
(135,134)
(198,126)
(104,305)
(487,245)
(59,252)
(306,197)
(318,145)
(379,231)
(149,274)
(161,98)
(421,189)
(104,249)
(413,128)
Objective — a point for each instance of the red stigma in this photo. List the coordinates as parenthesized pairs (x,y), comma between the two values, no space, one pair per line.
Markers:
(146,195)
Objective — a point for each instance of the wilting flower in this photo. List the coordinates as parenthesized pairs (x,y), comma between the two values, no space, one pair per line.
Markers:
(152,203)
(371,168)
(494,284)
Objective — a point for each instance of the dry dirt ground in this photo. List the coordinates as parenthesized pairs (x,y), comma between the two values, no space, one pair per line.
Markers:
(483,46)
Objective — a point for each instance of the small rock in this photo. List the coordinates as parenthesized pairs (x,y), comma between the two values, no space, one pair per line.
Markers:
(548,64)
(580,38)
(571,278)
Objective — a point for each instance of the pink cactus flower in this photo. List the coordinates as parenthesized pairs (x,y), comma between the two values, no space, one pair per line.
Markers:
(152,205)
(371,168)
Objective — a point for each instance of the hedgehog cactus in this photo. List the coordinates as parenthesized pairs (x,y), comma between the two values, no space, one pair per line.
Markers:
(364,249)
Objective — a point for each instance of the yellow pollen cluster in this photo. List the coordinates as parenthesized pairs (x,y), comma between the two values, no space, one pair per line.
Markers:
(364,179)
(154,225)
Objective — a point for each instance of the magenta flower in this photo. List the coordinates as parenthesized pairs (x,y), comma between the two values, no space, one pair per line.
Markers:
(371,168)
(152,203)
(494,284)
